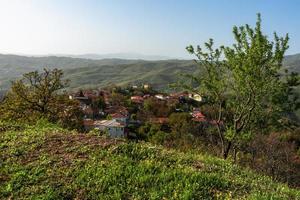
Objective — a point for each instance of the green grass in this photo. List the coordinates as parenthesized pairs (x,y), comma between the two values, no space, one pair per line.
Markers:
(47,162)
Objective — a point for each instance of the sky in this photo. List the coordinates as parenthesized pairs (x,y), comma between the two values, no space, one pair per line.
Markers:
(150,27)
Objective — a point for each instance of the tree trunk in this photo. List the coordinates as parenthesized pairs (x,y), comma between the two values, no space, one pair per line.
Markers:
(234,154)
(226,151)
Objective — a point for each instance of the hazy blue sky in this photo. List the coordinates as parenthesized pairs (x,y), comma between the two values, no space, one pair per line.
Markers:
(159,27)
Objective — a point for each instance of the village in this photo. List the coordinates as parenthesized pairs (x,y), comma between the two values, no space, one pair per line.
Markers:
(120,112)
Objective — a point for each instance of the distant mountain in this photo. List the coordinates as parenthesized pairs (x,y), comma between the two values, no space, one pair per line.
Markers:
(95,73)
(123,56)
(85,73)
(292,62)
(127,56)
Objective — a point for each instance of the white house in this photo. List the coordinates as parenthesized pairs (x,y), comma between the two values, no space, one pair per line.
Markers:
(113,127)
(195,97)
(146,86)
(160,96)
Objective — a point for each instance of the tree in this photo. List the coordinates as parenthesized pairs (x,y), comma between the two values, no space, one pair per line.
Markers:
(244,83)
(37,95)
(155,107)
(98,105)
(275,155)
(181,123)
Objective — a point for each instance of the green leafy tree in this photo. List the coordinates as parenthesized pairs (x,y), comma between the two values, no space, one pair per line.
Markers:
(181,124)
(245,84)
(37,95)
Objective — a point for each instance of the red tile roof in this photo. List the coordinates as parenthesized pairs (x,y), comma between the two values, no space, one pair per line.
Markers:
(137,99)
(117,115)
(117,109)
(198,116)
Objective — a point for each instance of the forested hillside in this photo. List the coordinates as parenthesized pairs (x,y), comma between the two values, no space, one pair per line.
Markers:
(86,73)
(292,62)
(13,66)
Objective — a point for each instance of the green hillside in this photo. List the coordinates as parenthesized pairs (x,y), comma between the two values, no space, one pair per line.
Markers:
(13,66)
(158,73)
(292,62)
(47,162)
(85,73)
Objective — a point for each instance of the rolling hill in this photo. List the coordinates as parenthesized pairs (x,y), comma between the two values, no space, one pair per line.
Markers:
(158,73)
(86,73)
(96,73)
(13,66)
(292,62)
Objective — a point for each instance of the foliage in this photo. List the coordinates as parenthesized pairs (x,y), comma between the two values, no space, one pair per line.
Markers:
(275,155)
(37,96)
(98,103)
(181,123)
(159,137)
(246,88)
(155,107)
(47,162)
(148,130)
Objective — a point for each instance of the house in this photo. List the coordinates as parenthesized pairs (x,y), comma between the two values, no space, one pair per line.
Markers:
(146,96)
(160,97)
(116,109)
(82,98)
(195,97)
(120,117)
(84,101)
(137,99)
(146,86)
(198,116)
(113,127)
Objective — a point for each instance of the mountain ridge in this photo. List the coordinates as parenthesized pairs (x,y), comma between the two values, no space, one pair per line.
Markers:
(87,73)
(95,56)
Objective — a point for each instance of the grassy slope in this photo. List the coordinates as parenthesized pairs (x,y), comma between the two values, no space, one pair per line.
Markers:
(46,162)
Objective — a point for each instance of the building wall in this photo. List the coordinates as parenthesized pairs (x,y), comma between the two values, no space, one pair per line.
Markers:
(121,119)
(113,131)
(116,131)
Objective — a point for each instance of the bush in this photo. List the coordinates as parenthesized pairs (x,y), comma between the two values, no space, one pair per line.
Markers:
(159,137)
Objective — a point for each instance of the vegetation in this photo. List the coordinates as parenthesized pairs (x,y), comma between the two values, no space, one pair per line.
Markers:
(246,117)
(47,162)
(246,89)
(37,96)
